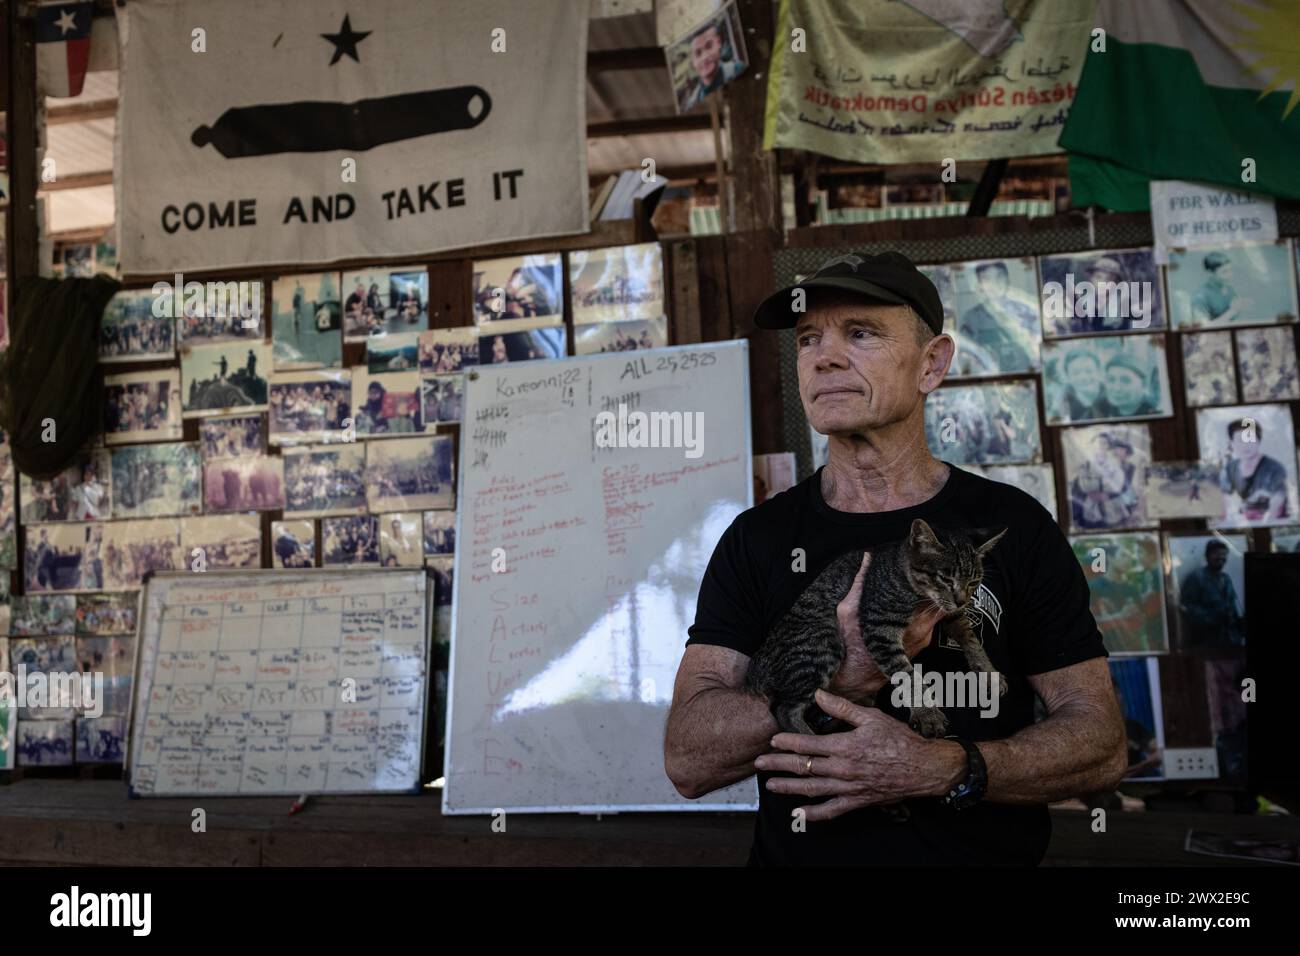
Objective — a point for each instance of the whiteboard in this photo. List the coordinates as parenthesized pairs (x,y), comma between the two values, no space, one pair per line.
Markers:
(566,640)
(280,682)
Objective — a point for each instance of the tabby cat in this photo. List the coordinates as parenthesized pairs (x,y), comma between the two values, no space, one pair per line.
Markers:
(805,649)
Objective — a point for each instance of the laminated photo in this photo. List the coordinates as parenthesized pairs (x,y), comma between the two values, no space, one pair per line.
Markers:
(984,424)
(106,613)
(521,346)
(48,656)
(306,321)
(386,405)
(293,544)
(1286,538)
(244,484)
(1208,374)
(401,541)
(81,492)
(231,312)
(227,377)
(709,56)
(1092,293)
(1107,378)
(1137,688)
(409,475)
(108,556)
(8,715)
(941,276)
(45,743)
(1267,364)
(1207,584)
(154,481)
(130,332)
(617,283)
(142,406)
(378,300)
(1182,489)
(441,568)
(393,352)
(313,406)
(1104,468)
(220,542)
(8,517)
(443,396)
(439,532)
(620,336)
(1253,448)
(101,739)
(239,436)
(519,287)
(1126,589)
(351,540)
(113,657)
(448,350)
(320,480)
(1248,284)
(42,614)
(997,329)
(1037,481)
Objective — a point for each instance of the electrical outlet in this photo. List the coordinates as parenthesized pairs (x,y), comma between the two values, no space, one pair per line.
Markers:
(1191,763)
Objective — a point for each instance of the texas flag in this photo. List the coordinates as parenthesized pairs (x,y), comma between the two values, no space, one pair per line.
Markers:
(62,47)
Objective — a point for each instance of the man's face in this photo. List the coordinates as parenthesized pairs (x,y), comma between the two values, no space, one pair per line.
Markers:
(1245,450)
(1084,374)
(1123,387)
(993,283)
(860,366)
(706,50)
(1217,558)
(1224,272)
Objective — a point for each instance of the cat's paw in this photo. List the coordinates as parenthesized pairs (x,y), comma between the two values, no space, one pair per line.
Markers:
(1004,685)
(929,721)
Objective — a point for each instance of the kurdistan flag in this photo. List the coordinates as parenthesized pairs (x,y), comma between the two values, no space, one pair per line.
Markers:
(1187,89)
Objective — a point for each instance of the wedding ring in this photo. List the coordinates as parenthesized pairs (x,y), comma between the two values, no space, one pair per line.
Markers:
(808,767)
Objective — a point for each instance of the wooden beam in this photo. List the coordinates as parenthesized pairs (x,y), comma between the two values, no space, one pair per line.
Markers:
(987,189)
(76,112)
(78,181)
(753,168)
(633,58)
(24,236)
(649,127)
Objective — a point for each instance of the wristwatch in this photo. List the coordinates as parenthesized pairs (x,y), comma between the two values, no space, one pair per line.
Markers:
(971,790)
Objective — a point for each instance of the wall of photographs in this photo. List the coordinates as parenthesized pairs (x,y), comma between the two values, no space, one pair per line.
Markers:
(288,421)
(1152,410)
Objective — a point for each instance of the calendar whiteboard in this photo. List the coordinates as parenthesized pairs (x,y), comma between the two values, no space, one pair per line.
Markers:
(280,682)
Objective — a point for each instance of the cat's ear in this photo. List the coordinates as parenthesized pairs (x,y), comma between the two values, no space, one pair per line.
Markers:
(987,546)
(922,538)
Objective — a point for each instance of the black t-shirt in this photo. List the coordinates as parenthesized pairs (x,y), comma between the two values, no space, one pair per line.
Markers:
(1033,616)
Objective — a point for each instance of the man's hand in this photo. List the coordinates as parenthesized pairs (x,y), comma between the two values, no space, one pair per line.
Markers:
(858,676)
(881,760)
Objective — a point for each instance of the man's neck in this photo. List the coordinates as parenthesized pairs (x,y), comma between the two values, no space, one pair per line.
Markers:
(861,477)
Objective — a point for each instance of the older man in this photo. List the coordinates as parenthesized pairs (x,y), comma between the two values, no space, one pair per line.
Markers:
(870,348)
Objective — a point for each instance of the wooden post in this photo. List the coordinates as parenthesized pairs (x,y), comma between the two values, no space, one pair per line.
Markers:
(24,236)
(754,173)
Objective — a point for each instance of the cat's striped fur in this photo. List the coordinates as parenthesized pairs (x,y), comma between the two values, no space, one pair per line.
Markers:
(805,650)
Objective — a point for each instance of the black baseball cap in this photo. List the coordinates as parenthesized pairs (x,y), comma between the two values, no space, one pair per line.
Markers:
(888,277)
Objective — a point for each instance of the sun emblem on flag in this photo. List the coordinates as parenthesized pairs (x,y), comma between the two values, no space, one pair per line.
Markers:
(1266,34)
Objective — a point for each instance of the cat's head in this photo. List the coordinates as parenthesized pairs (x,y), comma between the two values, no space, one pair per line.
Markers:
(945,566)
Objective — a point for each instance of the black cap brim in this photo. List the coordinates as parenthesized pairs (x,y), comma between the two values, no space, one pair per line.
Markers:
(775,312)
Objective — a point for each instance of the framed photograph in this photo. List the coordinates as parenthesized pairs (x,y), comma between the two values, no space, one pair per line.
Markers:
(154,481)
(401,541)
(8,516)
(620,336)
(1207,582)
(45,743)
(1093,293)
(142,407)
(439,532)
(1267,363)
(1137,687)
(995,424)
(519,287)
(48,656)
(522,346)
(239,436)
(41,615)
(313,406)
(997,328)
(1253,449)
(94,556)
(228,377)
(1126,588)
(321,480)
(1037,481)
(1231,285)
(379,300)
(941,276)
(443,396)
(1104,468)
(386,405)
(130,332)
(1286,538)
(101,739)
(244,484)
(232,312)
(81,492)
(1182,489)
(1106,378)
(99,614)
(393,352)
(306,321)
(110,655)
(707,58)
(1208,374)
(350,540)
(8,715)
(220,542)
(293,544)
(441,568)
(617,283)
(409,475)
(448,350)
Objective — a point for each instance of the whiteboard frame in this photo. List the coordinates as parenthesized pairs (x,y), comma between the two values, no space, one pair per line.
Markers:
(282,574)
(750,807)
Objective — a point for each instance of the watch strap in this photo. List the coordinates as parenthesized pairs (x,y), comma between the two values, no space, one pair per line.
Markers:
(971,789)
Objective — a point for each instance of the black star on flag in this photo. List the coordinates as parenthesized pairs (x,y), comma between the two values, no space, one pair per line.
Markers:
(345,41)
